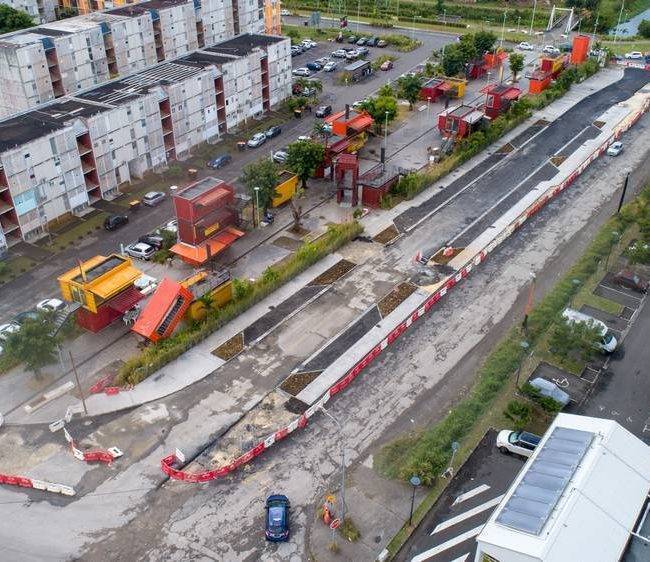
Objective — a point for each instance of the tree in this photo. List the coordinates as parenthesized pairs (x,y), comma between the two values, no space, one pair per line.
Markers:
(468,48)
(321,130)
(303,157)
(453,61)
(296,209)
(382,109)
(315,86)
(484,41)
(440,6)
(12,20)
(516,64)
(264,175)
(34,345)
(644,29)
(386,90)
(568,338)
(409,89)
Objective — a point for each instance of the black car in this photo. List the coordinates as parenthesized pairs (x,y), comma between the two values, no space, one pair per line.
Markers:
(219,161)
(313,66)
(113,222)
(372,41)
(323,110)
(152,240)
(273,132)
(22,317)
(277,518)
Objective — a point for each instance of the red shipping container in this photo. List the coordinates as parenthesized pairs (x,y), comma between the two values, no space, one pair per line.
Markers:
(97,322)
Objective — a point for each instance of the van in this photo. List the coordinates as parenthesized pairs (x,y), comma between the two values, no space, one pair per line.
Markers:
(607,341)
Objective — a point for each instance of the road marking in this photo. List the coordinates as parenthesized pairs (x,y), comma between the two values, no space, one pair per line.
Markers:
(467,514)
(447,545)
(461,558)
(473,492)
(634,297)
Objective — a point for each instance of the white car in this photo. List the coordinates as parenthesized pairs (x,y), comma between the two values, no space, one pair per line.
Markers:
(304,138)
(171,226)
(551,50)
(285,12)
(339,53)
(517,442)
(302,71)
(634,55)
(615,149)
(309,43)
(140,250)
(257,140)
(330,66)
(525,46)
(50,305)
(146,284)
(352,55)
(7,329)
(152,198)
(280,156)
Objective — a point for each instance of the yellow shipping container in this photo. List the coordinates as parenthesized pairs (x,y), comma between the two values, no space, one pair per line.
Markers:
(285,189)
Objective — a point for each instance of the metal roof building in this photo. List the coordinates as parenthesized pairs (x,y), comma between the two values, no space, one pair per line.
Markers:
(583,495)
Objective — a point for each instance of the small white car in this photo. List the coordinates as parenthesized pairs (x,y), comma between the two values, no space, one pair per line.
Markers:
(517,442)
(525,46)
(634,55)
(7,329)
(257,140)
(140,250)
(304,138)
(146,284)
(339,53)
(152,198)
(352,55)
(50,305)
(285,12)
(551,50)
(280,156)
(302,71)
(615,148)
(330,66)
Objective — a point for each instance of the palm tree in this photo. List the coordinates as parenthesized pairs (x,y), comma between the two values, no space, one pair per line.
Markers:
(322,130)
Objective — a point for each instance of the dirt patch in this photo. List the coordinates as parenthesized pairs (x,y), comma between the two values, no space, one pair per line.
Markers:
(230,348)
(296,406)
(540,123)
(293,384)
(557,160)
(396,297)
(505,149)
(300,231)
(338,270)
(442,259)
(287,243)
(599,124)
(387,235)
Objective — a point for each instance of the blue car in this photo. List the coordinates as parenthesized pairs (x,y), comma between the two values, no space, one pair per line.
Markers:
(219,161)
(277,518)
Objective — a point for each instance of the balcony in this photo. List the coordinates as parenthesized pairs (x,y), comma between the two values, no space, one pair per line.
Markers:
(5,207)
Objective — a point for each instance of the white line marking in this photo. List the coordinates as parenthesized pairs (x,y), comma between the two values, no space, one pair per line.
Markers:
(473,492)
(633,297)
(461,558)
(467,514)
(446,545)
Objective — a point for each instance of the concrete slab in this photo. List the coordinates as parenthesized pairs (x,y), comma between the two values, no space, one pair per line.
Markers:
(617,296)
(575,387)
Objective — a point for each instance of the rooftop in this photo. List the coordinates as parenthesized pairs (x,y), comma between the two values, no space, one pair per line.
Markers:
(203,59)
(357,65)
(144,7)
(243,44)
(42,121)
(201,187)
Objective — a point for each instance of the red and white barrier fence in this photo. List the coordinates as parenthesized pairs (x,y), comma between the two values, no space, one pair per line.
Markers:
(107,456)
(177,458)
(24,482)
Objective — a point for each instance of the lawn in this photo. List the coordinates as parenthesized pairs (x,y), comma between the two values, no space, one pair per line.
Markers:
(71,235)
(15,266)
(622,47)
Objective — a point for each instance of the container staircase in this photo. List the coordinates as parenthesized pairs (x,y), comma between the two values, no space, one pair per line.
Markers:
(62,315)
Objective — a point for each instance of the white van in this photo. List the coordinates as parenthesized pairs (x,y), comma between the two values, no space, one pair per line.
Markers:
(607,342)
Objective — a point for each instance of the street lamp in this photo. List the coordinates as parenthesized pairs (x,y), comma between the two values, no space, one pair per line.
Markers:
(532,19)
(257,204)
(503,29)
(518,22)
(358,14)
(444,17)
(428,104)
(524,345)
(342,490)
(415,482)
(386,132)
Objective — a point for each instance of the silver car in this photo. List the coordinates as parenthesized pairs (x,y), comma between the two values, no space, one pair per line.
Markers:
(152,198)
(550,390)
(258,140)
(140,250)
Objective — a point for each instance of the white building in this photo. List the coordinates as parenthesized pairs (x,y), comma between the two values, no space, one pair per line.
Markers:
(41,11)
(582,496)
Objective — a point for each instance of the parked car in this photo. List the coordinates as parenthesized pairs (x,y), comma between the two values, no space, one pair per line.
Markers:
(285,12)
(171,226)
(309,43)
(322,61)
(615,148)
(339,53)
(381,44)
(314,66)
(140,250)
(50,305)
(323,110)
(357,104)
(146,284)
(256,140)
(219,161)
(362,41)
(26,315)
(152,198)
(525,46)
(607,342)
(634,55)
(372,41)
(277,518)
(280,156)
(273,132)
(362,51)
(304,138)
(551,50)
(386,65)
(351,55)
(113,222)
(352,39)
(154,240)
(550,390)
(330,66)
(7,329)
(517,442)
(302,71)
(630,280)
(565,47)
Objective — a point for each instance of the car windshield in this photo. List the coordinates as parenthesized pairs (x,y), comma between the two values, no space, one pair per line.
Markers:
(607,338)
(276,516)
(514,437)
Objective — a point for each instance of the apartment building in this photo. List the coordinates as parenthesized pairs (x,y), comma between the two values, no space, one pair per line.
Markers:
(60,58)
(41,11)
(64,156)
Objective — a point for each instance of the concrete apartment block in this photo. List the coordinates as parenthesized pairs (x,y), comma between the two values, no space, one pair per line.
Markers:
(217,21)
(249,16)
(64,156)
(41,11)
(3,244)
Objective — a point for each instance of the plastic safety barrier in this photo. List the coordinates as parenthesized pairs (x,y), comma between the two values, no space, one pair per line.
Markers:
(25,482)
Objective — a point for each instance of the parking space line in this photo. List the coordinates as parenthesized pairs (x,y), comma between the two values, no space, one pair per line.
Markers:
(447,545)
(467,514)
(471,493)
(603,286)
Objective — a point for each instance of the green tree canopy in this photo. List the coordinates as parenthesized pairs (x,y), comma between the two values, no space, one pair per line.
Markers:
(454,61)
(468,48)
(11,19)
(264,175)
(382,109)
(303,157)
(34,345)
(386,90)
(516,64)
(408,88)
(644,29)
(484,41)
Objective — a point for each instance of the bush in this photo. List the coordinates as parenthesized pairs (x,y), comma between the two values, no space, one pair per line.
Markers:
(519,412)
(174,171)
(644,29)
(548,404)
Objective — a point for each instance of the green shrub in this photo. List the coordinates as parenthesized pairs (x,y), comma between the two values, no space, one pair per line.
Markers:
(519,412)
(548,404)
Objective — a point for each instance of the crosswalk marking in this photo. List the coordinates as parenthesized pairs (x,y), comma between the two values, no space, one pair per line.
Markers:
(473,492)
(467,514)
(446,545)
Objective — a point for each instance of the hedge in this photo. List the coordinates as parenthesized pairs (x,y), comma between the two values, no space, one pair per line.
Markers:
(428,454)
(246,294)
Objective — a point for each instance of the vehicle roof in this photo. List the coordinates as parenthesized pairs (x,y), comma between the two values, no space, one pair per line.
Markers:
(141,246)
(581,318)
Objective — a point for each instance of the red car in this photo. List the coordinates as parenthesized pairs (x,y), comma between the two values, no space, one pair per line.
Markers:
(386,65)
(631,280)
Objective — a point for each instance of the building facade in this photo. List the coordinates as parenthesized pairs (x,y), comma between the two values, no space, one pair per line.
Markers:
(60,58)
(65,155)
(41,11)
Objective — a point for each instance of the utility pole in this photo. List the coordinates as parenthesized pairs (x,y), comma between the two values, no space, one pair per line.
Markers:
(530,32)
(342,489)
(503,29)
(620,14)
(529,304)
(76,376)
(620,203)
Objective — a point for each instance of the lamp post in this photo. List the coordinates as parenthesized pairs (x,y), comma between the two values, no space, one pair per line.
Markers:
(529,303)
(524,345)
(358,14)
(518,22)
(257,204)
(503,29)
(342,488)
(415,482)
(428,105)
(444,17)
(386,132)
(532,19)
(413,29)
